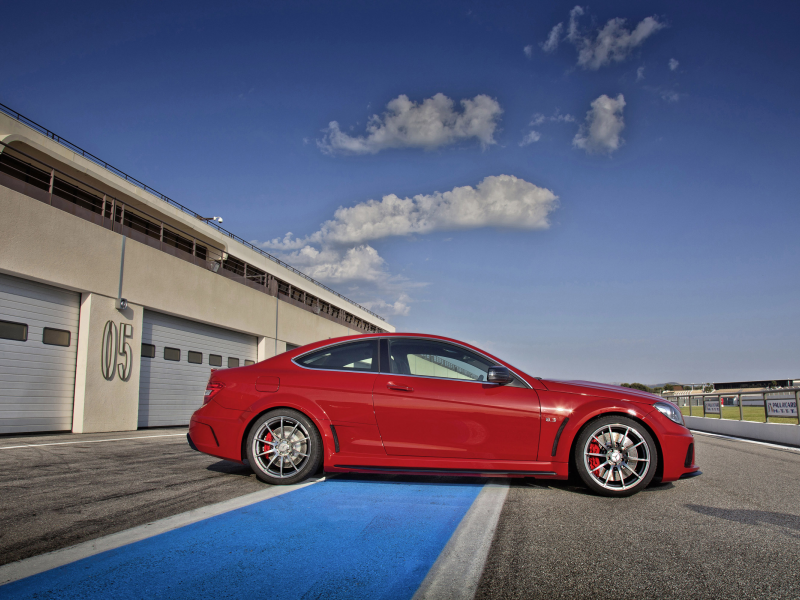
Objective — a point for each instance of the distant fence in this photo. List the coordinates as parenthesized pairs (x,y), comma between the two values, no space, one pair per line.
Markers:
(765,406)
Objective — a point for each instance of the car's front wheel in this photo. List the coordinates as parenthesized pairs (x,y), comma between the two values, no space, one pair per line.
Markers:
(284,447)
(616,456)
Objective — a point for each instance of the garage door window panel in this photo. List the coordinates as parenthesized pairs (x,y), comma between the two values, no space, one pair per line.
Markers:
(196,358)
(172,354)
(215,360)
(55,337)
(17,332)
(148,351)
(233,363)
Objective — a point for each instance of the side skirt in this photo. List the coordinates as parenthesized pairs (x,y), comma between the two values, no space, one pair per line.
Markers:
(441,471)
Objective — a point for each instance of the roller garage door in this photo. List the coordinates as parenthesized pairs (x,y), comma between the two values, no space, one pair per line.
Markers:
(177,358)
(38,353)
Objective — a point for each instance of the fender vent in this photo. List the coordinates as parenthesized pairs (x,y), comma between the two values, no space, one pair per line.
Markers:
(689,456)
(335,438)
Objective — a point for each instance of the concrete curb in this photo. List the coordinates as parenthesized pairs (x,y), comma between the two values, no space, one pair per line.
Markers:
(777,433)
(456,573)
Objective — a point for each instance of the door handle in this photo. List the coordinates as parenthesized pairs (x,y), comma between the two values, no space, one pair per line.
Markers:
(402,388)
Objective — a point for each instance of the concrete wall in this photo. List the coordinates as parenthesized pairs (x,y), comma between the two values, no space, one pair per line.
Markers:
(107,404)
(28,140)
(777,433)
(45,244)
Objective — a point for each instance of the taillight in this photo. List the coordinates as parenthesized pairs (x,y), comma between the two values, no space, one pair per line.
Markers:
(212,389)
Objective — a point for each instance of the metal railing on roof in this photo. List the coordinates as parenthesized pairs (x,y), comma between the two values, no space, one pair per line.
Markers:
(132,180)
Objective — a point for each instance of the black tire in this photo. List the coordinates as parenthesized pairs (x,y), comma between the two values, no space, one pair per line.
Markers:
(615,456)
(288,448)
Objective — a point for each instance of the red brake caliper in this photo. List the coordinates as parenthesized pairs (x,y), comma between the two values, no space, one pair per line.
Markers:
(268,438)
(594,461)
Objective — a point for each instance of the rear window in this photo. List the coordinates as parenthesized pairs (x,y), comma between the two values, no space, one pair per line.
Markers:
(353,356)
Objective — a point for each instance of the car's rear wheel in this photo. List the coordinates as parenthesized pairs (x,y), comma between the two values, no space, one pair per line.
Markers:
(284,447)
(615,456)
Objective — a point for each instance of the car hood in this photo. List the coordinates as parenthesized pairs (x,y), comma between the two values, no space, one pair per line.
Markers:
(605,390)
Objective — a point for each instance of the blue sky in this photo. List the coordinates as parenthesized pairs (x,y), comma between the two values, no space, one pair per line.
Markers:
(648,234)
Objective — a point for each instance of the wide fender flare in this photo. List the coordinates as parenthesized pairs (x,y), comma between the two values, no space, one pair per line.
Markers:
(294,401)
(592,410)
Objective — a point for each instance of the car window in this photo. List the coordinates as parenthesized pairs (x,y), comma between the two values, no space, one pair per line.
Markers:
(353,356)
(436,359)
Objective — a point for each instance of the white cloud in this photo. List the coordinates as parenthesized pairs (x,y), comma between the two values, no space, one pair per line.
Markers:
(614,42)
(559,118)
(399,307)
(670,95)
(433,123)
(362,269)
(339,252)
(600,133)
(539,119)
(639,73)
(673,64)
(531,137)
(497,201)
(357,264)
(528,50)
(573,34)
(551,43)
(611,43)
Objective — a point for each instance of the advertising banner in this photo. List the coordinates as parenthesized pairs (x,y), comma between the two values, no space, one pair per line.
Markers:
(711,406)
(781,407)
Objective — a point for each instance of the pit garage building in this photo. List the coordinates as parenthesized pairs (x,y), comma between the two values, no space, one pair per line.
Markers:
(76,237)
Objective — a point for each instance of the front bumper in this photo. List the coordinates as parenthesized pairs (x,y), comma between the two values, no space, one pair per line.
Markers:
(678,455)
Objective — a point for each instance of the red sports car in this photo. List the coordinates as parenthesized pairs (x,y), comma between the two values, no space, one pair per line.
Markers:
(411,403)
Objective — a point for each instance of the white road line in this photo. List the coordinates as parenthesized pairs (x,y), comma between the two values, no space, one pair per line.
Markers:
(57,558)
(738,439)
(456,573)
(141,437)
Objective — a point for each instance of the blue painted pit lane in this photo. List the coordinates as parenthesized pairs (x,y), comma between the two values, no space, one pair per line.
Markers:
(341,538)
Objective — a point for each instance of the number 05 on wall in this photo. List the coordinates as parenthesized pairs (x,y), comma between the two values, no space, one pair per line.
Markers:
(115,348)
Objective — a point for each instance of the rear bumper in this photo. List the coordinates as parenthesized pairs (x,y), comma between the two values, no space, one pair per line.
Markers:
(217,431)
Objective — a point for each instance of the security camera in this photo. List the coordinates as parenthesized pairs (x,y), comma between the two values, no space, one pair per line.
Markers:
(122,304)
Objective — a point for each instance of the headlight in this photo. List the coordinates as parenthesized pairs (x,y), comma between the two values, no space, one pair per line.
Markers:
(670,411)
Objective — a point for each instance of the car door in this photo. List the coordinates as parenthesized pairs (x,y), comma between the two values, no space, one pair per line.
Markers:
(340,379)
(434,401)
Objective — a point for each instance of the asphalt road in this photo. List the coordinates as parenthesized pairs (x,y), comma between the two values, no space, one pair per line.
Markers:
(732,533)
(55,496)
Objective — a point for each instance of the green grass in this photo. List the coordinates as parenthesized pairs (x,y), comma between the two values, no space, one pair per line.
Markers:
(750,413)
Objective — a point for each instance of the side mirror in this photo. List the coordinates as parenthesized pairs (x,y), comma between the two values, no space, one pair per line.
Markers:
(501,375)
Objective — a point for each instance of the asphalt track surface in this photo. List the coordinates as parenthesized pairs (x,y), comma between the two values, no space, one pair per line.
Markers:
(733,532)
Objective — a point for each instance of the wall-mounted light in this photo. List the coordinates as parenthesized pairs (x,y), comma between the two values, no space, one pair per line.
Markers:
(215,266)
(122,304)
(209,219)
